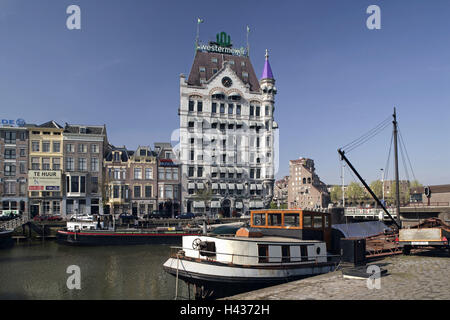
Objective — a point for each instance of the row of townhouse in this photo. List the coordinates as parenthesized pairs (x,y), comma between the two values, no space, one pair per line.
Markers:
(49,169)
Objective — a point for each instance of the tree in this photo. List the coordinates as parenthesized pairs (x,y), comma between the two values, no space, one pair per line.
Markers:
(273,205)
(415,183)
(336,193)
(377,188)
(355,191)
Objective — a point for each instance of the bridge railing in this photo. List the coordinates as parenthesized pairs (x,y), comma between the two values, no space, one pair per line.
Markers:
(14,223)
(368,212)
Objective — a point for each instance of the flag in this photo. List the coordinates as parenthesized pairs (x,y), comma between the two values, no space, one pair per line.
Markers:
(248,29)
(200,20)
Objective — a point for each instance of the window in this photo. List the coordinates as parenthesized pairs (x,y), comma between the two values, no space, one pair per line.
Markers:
(94,164)
(137,191)
(242,63)
(82,185)
(191,106)
(214,60)
(161,173)
(22,167)
(10,137)
(74,184)
(22,152)
(231,62)
(191,124)
(175,173)
(70,147)
(116,192)
(244,74)
(10,188)
(259,219)
(168,174)
(45,163)
(94,148)
(267,111)
(116,156)
(252,110)
(307,221)
(200,172)
(291,220)
(35,146)
(214,107)
(285,254)
(10,153)
(317,220)
(191,155)
(238,109)
(257,111)
(263,253)
(202,69)
(258,173)
(82,148)
(222,108)
(274,219)
(199,106)
(148,173)
(190,171)
(168,190)
(137,173)
(148,191)
(35,164)
(252,173)
(117,173)
(230,108)
(94,184)
(82,164)
(56,146)
(45,146)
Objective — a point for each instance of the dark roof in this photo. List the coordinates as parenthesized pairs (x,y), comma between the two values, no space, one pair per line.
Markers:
(50,124)
(124,156)
(69,128)
(204,59)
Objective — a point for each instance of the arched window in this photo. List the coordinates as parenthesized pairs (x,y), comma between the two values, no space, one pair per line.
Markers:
(304,180)
(309,180)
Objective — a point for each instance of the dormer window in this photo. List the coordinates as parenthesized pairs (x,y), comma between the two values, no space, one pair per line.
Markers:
(82,129)
(116,156)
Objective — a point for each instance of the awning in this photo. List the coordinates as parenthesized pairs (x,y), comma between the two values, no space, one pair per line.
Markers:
(215,204)
(259,186)
(252,124)
(214,169)
(238,170)
(200,185)
(238,205)
(223,170)
(191,185)
(230,170)
(231,186)
(199,204)
(253,187)
(239,186)
(215,186)
(223,186)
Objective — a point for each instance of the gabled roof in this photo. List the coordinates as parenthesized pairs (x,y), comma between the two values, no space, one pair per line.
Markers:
(50,124)
(205,59)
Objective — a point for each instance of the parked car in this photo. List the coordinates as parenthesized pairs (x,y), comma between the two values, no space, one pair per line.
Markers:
(160,215)
(40,218)
(188,215)
(54,218)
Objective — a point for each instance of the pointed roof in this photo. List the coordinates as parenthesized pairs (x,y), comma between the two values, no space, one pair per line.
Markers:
(267,71)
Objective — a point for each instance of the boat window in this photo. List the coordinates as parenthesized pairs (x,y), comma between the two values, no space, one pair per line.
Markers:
(259,219)
(291,220)
(263,253)
(274,219)
(304,253)
(307,222)
(285,254)
(318,221)
(327,221)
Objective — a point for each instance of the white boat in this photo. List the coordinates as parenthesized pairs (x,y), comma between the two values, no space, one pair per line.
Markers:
(278,246)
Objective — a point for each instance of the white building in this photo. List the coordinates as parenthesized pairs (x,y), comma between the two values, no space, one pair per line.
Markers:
(226,133)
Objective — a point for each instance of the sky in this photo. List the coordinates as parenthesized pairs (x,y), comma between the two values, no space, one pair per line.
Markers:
(336,79)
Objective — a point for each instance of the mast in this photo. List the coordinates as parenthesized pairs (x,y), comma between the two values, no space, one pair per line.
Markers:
(397,182)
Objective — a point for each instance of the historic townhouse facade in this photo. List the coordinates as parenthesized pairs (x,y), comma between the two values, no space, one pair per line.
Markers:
(169,179)
(142,180)
(227,133)
(116,186)
(84,148)
(44,168)
(14,168)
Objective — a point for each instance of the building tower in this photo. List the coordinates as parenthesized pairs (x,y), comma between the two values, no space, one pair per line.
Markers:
(226,147)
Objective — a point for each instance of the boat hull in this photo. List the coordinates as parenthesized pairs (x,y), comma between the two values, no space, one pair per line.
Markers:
(225,280)
(6,240)
(102,238)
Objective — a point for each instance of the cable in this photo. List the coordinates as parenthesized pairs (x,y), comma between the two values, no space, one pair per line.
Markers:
(367,138)
(364,136)
(407,155)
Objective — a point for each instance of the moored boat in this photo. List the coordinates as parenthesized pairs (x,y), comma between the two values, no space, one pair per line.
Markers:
(91,233)
(6,240)
(278,246)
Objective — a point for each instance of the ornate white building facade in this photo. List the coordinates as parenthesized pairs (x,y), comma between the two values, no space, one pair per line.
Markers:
(227,135)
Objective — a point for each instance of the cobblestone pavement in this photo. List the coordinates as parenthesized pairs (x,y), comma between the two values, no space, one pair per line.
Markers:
(420,276)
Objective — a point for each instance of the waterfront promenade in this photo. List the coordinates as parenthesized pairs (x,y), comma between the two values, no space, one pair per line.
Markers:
(421,276)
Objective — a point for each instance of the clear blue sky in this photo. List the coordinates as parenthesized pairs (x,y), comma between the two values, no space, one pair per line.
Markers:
(336,79)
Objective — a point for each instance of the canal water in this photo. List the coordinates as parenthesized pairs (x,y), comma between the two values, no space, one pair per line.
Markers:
(38,271)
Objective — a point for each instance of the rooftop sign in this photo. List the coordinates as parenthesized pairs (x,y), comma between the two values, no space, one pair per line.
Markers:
(222,45)
(19,122)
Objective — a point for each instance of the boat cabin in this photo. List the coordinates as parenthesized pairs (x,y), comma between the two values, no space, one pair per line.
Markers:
(296,223)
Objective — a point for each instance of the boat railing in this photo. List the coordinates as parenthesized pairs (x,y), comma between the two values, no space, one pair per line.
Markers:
(330,257)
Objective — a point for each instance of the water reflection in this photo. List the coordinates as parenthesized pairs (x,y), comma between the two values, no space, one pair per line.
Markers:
(38,271)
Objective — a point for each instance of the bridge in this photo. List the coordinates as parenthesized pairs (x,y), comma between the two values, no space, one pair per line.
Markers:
(14,223)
